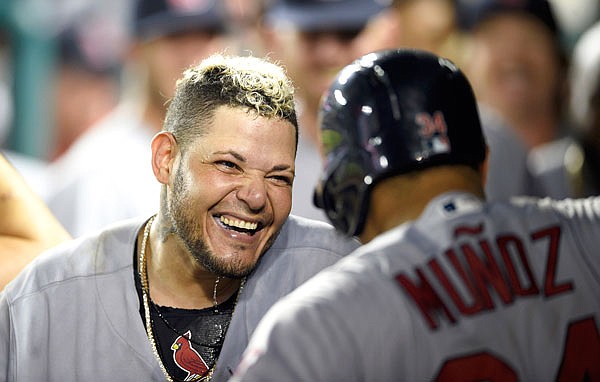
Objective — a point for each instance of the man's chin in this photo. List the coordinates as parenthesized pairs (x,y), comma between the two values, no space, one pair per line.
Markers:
(235,265)
(237,274)
(227,268)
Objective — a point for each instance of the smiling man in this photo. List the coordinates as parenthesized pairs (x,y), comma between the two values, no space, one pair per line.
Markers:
(177,295)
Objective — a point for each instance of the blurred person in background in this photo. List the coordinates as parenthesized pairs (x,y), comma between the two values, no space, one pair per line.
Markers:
(105,176)
(314,39)
(85,87)
(575,17)
(518,68)
(55,64)
(434,26)
(31,168)
(246,16)
(26,225)
(429,25)
(517,65)
(575,159)
(585,111)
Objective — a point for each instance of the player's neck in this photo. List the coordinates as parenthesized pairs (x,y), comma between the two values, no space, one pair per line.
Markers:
(177,280)
(403,198)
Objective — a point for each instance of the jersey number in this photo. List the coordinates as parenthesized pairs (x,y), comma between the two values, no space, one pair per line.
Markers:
(580,361)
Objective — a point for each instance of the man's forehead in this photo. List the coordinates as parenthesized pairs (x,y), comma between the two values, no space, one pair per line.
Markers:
(236,131)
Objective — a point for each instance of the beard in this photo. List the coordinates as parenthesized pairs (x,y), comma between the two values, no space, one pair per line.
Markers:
(185,226)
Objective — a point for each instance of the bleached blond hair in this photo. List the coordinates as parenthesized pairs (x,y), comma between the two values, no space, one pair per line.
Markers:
(255,84)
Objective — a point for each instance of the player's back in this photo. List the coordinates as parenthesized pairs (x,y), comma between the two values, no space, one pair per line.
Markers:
(495,291)
(468,291)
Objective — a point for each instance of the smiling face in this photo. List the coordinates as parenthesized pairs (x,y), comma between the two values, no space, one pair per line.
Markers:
(231,190)
(515,66)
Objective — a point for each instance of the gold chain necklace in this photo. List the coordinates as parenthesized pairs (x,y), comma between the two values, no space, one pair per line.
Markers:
(143,273)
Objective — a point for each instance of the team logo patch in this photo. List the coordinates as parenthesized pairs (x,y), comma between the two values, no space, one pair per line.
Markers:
(187,358)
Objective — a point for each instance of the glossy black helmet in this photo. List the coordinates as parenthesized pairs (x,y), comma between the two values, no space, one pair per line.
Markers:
(388,113)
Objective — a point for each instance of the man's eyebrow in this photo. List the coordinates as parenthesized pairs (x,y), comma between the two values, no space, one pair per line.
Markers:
(281,167)
(235,154)
(241,158)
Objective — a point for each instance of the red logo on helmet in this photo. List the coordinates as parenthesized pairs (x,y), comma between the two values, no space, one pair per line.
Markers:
(433,128)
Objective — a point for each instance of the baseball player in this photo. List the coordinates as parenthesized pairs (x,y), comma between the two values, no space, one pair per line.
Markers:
(447,287)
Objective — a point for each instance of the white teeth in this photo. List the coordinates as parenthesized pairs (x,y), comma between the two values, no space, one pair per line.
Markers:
(239,223)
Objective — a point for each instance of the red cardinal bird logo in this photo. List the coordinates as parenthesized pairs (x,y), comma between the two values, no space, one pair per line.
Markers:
(187,358)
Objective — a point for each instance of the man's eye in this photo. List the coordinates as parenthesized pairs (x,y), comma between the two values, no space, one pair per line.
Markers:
(282,179)
(227,164)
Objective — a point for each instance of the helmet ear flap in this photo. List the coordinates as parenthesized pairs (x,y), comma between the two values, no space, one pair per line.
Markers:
(343,192)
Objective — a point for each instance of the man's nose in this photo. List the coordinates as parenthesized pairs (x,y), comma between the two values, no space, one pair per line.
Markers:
(253,191)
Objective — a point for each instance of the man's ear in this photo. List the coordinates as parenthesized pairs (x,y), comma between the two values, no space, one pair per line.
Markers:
(164,152)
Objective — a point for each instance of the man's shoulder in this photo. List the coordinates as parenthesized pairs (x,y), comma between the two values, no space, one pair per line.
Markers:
(99,253)
(303,233)
(303,247)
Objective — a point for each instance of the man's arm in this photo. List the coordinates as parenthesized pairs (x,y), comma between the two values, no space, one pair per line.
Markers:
(27,227)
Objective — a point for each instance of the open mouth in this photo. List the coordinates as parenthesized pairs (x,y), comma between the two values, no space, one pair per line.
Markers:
(243,226)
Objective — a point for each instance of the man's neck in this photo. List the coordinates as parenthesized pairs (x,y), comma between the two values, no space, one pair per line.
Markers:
(403,198)
(175,279)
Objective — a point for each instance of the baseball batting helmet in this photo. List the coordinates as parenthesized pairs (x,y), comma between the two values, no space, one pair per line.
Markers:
(389,113)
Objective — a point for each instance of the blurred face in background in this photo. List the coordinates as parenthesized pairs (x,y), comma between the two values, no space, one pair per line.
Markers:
(81,98)
(515,66)
(168,56)
(420,24)
(313,58)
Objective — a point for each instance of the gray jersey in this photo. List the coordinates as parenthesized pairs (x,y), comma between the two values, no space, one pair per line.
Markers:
(74,314)
(469,291)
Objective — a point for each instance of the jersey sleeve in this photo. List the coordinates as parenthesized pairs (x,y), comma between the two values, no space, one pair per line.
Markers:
(583,217)
(4,337)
